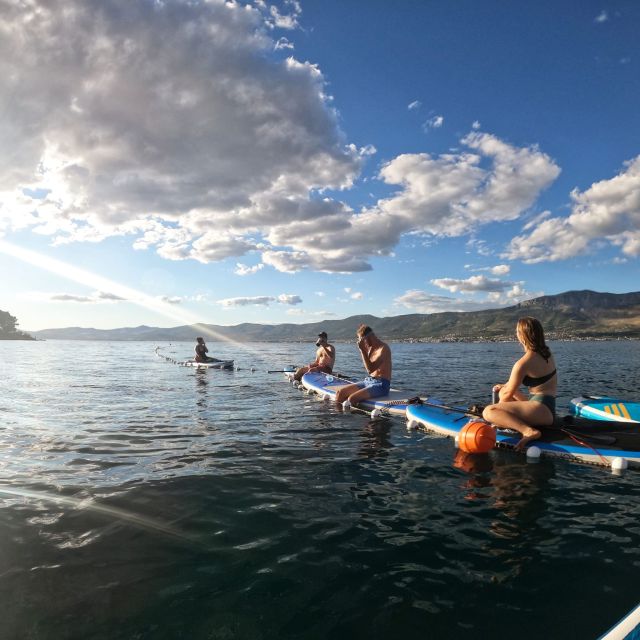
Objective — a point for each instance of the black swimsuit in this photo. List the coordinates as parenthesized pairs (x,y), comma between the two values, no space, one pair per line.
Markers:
(528,381)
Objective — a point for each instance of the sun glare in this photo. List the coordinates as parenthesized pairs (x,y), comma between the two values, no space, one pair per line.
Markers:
(98,282)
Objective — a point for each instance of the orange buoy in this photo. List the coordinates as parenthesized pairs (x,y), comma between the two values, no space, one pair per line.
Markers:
(477,437)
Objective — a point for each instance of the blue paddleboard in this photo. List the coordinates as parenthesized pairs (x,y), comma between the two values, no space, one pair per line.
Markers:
(605,408)
(576,440)
(395,403)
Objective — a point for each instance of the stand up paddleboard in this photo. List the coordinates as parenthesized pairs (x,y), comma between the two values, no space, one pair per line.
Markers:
(606,408)
(627,629)
(393,404)
(215,364)
(572,438)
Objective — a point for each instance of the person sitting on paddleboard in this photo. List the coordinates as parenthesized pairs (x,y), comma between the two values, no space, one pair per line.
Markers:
(201,352)
(536,370)
(376,357)
(325,358)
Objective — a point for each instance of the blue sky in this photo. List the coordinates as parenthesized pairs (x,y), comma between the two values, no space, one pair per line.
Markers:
(164,163)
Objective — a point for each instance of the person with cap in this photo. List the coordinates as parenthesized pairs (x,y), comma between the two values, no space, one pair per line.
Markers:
(376,357)
(325,358)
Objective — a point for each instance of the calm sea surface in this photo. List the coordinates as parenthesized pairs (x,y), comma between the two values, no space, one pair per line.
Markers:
(140,500)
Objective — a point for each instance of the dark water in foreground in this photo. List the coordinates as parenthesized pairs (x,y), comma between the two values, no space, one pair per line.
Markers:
(143,500)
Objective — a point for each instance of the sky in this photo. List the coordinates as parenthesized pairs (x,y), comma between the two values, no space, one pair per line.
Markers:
(166,162)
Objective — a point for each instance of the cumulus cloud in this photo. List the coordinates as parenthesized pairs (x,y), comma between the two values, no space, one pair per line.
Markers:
(606,212)
(171,299)
(357,295)
(265,301)
(245,270)
(167,121)
(472,284)
(178,124)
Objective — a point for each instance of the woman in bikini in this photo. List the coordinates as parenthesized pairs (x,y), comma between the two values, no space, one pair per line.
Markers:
(535,370)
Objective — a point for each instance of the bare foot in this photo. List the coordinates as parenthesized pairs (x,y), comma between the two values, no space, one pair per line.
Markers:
(527,436)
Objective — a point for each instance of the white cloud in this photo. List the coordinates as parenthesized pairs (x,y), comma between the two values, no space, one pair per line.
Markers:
(433,123)
(245,270)
(423,302)
(500,270)
(321,294)
(283,43)
(283,298)
(608,211)
(310,314)
(357,295)
(603,16)
(171,299)
(95,297)
(497,270)
(167,121)
(416,104)
(499,296)
(476,125)
(347,289)
(111,132)
(472,284)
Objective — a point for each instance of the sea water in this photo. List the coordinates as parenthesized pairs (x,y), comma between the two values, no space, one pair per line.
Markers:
(139,499)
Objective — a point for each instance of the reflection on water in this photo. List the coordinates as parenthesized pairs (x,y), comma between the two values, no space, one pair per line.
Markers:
(143,500)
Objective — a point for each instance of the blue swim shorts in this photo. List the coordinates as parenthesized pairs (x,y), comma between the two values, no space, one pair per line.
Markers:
(375,386)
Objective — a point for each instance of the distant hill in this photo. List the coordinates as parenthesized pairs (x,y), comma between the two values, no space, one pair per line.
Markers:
(9,328)
(574,314)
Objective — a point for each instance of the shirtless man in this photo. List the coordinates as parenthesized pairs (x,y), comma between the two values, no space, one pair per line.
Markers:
(325,358)
(376,357)
(201,352)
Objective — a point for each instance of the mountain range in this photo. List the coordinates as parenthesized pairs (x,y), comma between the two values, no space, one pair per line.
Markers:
(570,315)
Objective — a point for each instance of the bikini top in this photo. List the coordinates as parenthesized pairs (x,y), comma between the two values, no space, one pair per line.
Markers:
(528,381)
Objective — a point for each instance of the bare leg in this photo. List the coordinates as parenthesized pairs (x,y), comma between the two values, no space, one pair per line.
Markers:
(519,416)
(346,392)
(300,372)
(359,396)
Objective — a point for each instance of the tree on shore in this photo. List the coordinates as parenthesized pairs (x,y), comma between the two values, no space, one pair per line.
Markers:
(9,328)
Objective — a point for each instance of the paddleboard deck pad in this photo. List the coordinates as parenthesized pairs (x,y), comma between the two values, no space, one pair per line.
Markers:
(578,439)
(606,408)
(394,403)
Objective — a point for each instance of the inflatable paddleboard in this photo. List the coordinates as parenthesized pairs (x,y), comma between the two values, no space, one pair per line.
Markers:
(574,438)
(606,408)
(394,403)
(627,629)
(216,364)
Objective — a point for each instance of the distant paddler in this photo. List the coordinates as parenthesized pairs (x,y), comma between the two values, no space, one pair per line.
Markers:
(325,358)
(376,357)
(201,352)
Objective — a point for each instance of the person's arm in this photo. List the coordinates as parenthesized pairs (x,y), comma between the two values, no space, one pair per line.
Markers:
(366,361)
(511,389)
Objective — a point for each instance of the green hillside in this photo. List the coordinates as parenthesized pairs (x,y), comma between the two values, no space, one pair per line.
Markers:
(574,314)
